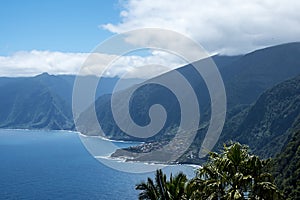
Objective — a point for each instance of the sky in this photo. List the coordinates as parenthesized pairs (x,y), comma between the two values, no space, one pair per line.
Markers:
(57,36)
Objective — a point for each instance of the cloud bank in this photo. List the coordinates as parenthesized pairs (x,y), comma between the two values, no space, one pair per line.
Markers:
(30,63)
(225,27)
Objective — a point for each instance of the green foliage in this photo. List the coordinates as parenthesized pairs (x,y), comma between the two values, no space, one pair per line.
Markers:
(266,127)
(234,174)
(161,188)
(287,168)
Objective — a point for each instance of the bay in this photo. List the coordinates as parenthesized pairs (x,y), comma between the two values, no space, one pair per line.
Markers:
(56,165)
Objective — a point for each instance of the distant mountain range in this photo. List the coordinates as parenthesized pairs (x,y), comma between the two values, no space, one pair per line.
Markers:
(39,102)
(262,90)
(43,101)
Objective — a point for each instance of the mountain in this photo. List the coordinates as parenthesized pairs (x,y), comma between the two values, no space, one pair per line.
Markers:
(43,101)
(29,103)
(105,85)
(246,78)
(267,125)
(254,110)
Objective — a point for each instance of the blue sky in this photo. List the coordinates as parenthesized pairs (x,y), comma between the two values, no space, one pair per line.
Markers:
(56,25)
(56,36)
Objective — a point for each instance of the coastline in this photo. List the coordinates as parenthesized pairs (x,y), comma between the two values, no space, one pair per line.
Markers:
(121,159)
(106,139)
(37,130)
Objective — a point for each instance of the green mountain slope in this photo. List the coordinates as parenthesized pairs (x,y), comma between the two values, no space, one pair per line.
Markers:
(266,127)
(43,101)
(29,103)
(245,78)
(287,165)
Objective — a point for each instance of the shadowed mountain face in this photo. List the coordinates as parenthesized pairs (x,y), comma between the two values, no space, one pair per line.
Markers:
(43,101)
(245,78)
(266,126)
(31,103)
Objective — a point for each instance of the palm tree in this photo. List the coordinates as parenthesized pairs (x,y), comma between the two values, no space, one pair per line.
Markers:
(262,181)
(193,191)
(176,187)
(149,190)
(173,189)
(235,174)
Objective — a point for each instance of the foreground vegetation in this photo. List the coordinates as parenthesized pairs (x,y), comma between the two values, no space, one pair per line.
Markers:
(232,174)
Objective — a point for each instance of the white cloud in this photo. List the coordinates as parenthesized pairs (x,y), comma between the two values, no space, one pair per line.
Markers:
(30,63)
(227,27)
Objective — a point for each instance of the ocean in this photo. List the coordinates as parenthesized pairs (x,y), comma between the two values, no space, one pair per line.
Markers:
(56,165)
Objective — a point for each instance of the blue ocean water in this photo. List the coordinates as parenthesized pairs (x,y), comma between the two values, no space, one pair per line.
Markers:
(56,165)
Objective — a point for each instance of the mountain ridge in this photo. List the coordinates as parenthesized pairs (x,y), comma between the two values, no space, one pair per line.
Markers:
(246,78)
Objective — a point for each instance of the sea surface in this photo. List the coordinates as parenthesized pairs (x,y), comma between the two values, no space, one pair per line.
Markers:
(56,165)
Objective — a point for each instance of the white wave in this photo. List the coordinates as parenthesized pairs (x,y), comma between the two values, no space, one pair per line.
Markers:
(106,139)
